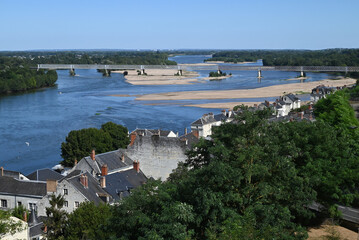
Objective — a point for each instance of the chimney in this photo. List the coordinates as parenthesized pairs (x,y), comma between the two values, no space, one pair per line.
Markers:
(224,112)
(45,229)
(24,216)
(230,113)
(51,185)
(136,166)
(103,182)
(317,90)
(310,107)
(185,131)
(123,158)
(93,154)
(2,171)
(84,181)
(104,170)
(301,115)
(195,133)
(75,162)
(133,137)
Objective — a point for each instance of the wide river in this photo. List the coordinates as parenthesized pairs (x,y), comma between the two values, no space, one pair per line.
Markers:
(33,125)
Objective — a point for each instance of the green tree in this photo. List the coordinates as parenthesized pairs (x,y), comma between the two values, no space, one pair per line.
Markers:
(56,218)
(79,143)
(7,225)
(335,109)
(88,221)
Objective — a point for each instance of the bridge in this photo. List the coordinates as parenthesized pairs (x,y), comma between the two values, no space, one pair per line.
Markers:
(209,67)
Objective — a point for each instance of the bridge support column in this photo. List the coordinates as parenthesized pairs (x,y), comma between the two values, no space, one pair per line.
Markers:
(106,73)
(301,74)
(72,72)
(143,71)
(259,73)
(179,72)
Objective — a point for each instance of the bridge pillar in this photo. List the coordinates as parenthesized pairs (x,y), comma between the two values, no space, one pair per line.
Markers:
(179,72)
(259,73)
(72,71)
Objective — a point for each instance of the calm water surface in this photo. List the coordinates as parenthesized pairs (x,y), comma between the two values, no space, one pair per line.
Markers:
(45,117)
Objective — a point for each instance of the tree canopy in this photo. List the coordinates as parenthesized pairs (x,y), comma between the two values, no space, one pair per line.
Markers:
(80,143)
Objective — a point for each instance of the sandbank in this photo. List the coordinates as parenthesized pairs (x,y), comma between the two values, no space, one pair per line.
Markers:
(228,62)
(160,77)
(271,91)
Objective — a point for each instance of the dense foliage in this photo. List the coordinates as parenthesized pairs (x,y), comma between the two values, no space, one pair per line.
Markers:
(8,225)
(16,79)
(56,218)
(217,74)
(80,143)
(254,180)
(328,57)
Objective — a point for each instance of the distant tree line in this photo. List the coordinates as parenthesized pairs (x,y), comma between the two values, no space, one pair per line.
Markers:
(92,57)
(327,57)
(16,76)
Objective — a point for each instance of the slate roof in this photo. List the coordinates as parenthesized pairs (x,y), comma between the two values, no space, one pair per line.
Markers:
(12,174)
(191,139)
(150,132)
(93,190)
(36,231)
(210,118)
(292,97)
(10,185)
(44,174)
(112,159)
(122,182)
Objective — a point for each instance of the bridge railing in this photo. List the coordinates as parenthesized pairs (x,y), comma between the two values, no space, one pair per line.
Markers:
(212,67)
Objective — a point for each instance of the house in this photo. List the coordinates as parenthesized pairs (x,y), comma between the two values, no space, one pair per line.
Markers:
(189,139)
(320,92)
(203,126)
(158,155)
(13,174)
(77,187)
(15,192)
(120,184)
(44,174)
(292,100)
(22,233)
(115,160)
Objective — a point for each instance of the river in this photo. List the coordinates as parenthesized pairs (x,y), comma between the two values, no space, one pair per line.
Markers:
(33,125)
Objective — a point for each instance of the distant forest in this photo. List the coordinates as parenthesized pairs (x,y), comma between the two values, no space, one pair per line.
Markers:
(92,57)
(17,71)
(327,57)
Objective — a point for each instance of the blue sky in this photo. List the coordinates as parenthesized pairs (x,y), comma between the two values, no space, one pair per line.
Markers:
(195,24)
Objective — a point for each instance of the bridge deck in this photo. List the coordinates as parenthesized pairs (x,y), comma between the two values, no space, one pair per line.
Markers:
(213,67)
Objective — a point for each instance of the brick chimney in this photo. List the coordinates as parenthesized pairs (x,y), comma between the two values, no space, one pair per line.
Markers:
(133,138)
(103,182)
(51,185)
(224,112)
(93,154)
(84,180)
(24,216)
(195,133)
(123,158)
(136,166)
(75,163)
(45,229)
(2,171)
(185,131)
(104,170)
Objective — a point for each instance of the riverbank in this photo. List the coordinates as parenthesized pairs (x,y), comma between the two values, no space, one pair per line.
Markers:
(225,105)
(271,91)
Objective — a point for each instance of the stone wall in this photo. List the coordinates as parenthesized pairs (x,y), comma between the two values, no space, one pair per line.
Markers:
(157,155)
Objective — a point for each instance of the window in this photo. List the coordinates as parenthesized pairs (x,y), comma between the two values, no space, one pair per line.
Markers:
(3,203)
(77,204)
(66,203)
(32,206)
(66,192)
(19,204)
